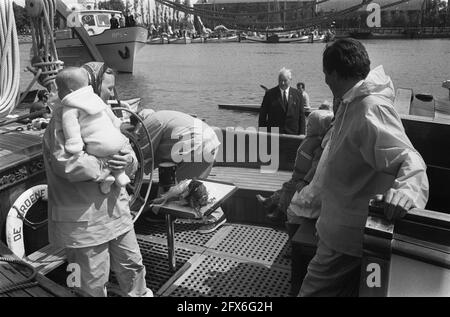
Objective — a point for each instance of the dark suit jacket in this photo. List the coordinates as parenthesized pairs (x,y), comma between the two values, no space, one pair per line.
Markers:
(273,113)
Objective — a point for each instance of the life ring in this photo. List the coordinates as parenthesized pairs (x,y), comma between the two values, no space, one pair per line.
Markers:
(16,215)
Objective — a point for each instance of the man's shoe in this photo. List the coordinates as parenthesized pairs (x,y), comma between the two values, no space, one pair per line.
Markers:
(210,227)
(262,200)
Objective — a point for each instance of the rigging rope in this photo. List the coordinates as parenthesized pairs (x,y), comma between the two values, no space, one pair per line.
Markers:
(9,58)
(26,283)
(45,56)
(294,24)
(243,25)
(229,14)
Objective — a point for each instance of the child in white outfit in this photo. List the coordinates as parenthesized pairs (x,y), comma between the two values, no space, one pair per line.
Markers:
(90,123)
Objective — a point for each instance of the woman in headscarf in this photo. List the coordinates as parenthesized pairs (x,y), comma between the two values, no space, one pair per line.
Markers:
(95,229)
(101,78)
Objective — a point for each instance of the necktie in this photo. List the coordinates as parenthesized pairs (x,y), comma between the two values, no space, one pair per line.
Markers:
(285,100)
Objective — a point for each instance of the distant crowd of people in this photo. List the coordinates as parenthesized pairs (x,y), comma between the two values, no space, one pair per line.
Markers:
(127,21)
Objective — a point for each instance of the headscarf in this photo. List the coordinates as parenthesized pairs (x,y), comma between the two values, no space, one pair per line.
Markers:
(95,70)
(319,121)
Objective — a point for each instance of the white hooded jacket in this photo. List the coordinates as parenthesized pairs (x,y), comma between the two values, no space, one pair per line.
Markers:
(369,153)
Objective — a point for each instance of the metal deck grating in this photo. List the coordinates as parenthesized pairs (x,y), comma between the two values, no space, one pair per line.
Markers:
(226,277)
(238,261)
(184,233)
(260,244)
(156,264)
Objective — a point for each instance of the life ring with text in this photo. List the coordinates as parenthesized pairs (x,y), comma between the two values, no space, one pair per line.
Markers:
(17,214)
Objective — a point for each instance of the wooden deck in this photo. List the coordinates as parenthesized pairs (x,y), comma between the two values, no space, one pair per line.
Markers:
(14,273)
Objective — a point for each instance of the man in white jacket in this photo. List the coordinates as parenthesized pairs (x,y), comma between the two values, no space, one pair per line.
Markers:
(369,154)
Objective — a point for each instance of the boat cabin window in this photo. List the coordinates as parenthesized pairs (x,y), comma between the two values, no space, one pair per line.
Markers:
(88,19)
(103,20)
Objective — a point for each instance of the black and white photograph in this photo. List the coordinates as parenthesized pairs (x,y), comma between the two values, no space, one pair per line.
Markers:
(267,150)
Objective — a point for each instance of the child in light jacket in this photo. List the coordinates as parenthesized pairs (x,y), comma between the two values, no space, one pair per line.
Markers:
(89,123)
(308,155)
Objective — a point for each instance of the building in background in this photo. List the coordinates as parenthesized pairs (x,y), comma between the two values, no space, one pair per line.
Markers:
(259,11)
(414,13)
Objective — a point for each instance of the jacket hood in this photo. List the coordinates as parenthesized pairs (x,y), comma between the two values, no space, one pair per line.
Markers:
(319,122)
(376,83)
(85,99)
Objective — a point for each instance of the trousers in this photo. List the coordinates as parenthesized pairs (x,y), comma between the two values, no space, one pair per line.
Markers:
(122,255)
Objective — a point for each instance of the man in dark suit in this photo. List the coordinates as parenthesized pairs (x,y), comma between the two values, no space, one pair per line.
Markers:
(283,107)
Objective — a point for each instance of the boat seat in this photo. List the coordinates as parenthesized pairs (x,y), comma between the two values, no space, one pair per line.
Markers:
(46,259)
(245,178)
(250,178)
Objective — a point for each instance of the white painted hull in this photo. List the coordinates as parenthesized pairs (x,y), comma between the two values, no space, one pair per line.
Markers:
(158,40)
(181,40)
(302,39)
(118,48)
(222,39)
(198,40)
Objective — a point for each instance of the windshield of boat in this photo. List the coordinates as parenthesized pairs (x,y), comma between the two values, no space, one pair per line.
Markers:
(88,19)
(103,20)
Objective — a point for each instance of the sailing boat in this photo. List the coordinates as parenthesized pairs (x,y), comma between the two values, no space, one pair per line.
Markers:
(277,35)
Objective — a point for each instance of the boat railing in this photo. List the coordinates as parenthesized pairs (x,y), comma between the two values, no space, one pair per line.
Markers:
(252,148)
(421,235)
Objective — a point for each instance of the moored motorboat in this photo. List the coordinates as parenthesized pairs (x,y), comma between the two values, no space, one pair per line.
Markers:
(180,40)
(228,39)
(158,40)
(117,46)
(275,38)
(198,40)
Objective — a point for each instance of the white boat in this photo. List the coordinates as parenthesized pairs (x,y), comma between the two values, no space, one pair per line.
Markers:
(198,40)
(158,40)
(180,40)
(117,46)
(275,38)
(227,39)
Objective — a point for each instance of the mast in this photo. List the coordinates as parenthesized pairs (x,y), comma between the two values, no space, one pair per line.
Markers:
(149,19)
(268,10)
(142,12)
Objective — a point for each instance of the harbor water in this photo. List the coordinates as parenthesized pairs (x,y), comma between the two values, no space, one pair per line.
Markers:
(196,78)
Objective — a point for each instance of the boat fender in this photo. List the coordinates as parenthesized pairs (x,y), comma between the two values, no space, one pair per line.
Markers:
(16,214)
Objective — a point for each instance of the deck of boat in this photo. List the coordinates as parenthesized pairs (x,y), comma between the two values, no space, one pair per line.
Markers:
(12,274)
(237,260)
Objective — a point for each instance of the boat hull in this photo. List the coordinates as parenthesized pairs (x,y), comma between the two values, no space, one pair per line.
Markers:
(118,48)
(278,40)
(181,40)
(198,40)
(222,39)
(158,40)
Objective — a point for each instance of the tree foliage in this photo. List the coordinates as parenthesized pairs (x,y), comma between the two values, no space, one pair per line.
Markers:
(117,5)
(22,20)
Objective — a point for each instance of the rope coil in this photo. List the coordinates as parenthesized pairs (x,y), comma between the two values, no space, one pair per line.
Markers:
(9,58)
(45,56)
(26,283)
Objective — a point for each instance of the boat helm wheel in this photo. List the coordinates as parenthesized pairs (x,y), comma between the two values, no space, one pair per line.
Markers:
(142,145)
